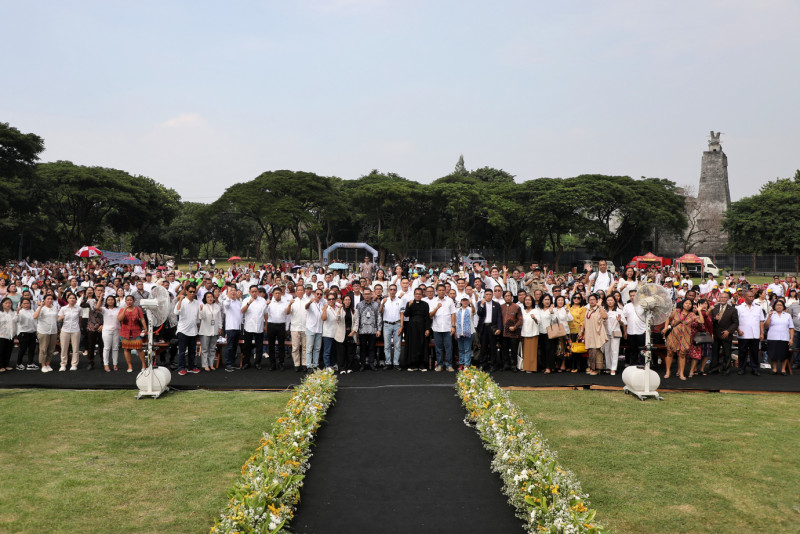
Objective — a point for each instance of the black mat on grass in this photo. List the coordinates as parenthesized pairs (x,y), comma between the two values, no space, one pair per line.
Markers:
(400,459)
(265,379)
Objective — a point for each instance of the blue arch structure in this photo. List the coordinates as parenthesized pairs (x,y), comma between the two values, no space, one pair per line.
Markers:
(327,251)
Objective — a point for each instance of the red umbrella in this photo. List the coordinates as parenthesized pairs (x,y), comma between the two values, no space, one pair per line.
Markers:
(88,252)
(234,258)
(161,268)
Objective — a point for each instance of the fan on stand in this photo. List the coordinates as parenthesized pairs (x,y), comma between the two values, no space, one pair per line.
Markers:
(656,305)
(153,381)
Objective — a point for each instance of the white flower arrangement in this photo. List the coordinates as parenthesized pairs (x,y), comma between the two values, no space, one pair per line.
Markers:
(264,499)
(547,497)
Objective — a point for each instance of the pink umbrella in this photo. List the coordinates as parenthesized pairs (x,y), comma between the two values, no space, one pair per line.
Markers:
(88,252)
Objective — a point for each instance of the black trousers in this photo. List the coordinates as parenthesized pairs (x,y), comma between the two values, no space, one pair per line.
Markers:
(550,349)
(6,346)
(27,343)
(726,346)
(632,351)
(367,345)
(748,354)
(345,354)
(488,355)
(94,338)
(252,340)
(508,352)
(276,333)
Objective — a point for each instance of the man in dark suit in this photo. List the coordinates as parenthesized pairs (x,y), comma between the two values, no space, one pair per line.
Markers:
(725,319)
(490,325)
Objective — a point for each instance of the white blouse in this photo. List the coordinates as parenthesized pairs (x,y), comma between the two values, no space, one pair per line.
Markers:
(47,322)
(8,322)
(530,326)
(71,315)
(210,319)
(25,321)
(110,318)
(615,319)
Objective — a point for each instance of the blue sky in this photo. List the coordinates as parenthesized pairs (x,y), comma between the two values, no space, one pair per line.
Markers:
(200,95)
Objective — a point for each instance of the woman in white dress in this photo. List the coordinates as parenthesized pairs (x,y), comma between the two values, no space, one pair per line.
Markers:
(614,329)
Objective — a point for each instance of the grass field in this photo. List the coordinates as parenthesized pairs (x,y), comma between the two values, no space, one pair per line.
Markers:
(101,461)
(691,463)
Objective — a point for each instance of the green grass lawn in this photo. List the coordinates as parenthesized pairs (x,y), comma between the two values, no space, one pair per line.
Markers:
(691,463)
(101,461)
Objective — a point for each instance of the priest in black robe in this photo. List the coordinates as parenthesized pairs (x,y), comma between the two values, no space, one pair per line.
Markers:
(416,328)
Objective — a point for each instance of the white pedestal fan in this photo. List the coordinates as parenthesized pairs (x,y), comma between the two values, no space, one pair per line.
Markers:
(642,381)
(153,381)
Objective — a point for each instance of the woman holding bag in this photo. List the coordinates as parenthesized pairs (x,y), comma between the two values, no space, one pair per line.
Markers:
(563,318)
(679,328)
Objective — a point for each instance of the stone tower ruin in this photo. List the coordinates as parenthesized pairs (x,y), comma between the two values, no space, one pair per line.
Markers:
(713,195)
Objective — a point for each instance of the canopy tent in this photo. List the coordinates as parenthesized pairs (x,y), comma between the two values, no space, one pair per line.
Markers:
(647,260)
(691,263)
(130,260)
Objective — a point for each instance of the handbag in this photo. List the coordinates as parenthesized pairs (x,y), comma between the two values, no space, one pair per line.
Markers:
(617,332)
(702,337)
(556,330)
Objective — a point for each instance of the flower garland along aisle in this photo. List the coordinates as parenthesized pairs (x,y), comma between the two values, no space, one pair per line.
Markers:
(547,497)
(265,497)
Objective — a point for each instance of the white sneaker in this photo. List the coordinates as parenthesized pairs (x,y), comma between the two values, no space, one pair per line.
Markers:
(46,369)
(63,368)
(73,368)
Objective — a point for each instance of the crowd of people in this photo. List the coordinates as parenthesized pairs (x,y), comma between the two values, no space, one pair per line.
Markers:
(396,318)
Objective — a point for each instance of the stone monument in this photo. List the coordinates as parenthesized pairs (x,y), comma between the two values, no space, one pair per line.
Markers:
(714,193)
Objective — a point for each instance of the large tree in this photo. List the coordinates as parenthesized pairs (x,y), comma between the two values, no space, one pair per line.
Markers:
(19,153)
(84,201)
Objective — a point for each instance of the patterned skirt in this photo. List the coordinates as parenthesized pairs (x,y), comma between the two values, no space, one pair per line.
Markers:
(134,343)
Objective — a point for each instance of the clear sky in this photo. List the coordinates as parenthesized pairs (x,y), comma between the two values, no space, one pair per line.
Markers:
(200,95)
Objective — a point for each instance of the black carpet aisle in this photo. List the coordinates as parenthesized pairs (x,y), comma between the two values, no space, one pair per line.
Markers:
(400,459)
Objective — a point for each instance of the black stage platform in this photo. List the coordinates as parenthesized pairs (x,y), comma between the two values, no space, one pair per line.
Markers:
(252,379)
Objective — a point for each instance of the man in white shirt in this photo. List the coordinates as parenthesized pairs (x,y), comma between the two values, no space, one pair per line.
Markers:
(356,294)
(173,284)
(601,280)
(778,288)
(313,329)
(392,309)
(276,329)
(208,286)
(296,310)
(148,282)
(254,312)
(634,330)
(443,325)
(751,333)
(232,305)
(494,280)
(188,311)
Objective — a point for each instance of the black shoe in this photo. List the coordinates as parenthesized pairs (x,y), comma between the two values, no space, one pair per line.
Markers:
(298,369)
(514,369)
(389,367)
(398,368)
(258,366)
(245,366)
(90,366)
(740,372)
(229,369)
(372,367)
(756,373)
